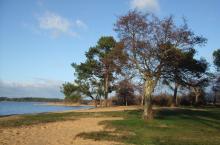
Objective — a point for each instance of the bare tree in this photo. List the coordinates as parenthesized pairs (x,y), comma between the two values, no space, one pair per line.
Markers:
(148,43)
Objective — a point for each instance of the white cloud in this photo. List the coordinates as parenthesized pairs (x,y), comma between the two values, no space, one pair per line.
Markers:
(81,24)
(57,25)
(145,5)
(35,88)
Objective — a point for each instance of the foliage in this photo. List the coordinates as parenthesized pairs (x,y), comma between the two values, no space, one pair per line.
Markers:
(31,99)
(87,80)
(71,92)
(216,89)
(162,100)
(216,55)
(149,43)
(125,93)
(95,76)
(185,71)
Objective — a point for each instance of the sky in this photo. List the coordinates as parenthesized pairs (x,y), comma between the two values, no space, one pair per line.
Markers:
(39,39)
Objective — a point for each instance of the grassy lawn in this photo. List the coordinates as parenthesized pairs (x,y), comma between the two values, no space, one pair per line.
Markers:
(170,127)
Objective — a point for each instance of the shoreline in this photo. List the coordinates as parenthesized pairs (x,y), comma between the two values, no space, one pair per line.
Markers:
(65,104)
(93,109)
(84,107)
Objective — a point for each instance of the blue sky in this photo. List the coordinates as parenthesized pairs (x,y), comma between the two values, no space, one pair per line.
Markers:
(39,39)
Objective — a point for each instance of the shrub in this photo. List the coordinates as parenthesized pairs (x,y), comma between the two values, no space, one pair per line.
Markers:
(162,100)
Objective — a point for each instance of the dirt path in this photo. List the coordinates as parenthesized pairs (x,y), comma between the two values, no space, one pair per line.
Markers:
(57,133)
(109,109)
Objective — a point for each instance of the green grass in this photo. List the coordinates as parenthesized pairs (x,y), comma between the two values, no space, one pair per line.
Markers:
(33,119)
(170,127)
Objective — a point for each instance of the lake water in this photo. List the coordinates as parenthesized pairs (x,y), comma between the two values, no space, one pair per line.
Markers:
(11,108)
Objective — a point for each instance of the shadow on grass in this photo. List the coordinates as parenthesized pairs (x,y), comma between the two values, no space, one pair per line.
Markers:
(33,119)
(170,127)
(209,117)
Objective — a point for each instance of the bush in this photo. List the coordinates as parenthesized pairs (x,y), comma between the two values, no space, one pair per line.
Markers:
(185,100)
(190,99)
(162,100)
(125,93)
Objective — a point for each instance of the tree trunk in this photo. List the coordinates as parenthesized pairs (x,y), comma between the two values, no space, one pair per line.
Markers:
(95,103)
(100,101)
(148,90)
(106,90)
(197,94)
(142,100)
(175,101)
(197,98)
(214,100)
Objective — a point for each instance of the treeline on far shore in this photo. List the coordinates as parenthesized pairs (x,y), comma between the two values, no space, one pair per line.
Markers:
(31,99)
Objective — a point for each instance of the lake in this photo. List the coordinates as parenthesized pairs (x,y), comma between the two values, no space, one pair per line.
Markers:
(11,108)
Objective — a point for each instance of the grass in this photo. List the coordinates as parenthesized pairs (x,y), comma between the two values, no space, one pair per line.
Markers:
(33,119)
(170,126)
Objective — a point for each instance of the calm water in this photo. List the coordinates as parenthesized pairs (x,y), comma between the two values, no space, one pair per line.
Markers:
(10,108)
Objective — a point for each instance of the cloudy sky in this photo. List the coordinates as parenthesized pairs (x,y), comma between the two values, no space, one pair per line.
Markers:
(39,39)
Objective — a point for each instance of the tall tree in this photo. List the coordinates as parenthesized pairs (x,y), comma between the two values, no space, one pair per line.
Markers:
(97,74)
(107,54)
(185,70)
(147,42)
(89,84)
(216,55)
(216,89)
(216,86)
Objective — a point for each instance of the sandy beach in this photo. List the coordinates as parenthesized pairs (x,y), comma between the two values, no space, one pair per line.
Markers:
(61,132)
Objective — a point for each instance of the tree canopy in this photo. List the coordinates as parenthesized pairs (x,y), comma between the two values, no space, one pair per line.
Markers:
(216,55)
(149,42)
(71,92)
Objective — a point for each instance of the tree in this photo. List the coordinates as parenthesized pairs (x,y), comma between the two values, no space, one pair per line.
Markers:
(216,89)
(106,55)
(216,86)
(147,43)
(96,75)
(86,77)
(71,92)
(125,92)
(176,66)
(216,55)
(185,70)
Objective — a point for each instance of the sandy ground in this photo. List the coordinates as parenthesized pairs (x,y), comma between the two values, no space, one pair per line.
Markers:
(59,133)
(64,104)
(109,109)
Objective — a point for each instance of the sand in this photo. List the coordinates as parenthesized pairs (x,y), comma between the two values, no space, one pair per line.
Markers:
(109,109)
(57,133)
(60,133)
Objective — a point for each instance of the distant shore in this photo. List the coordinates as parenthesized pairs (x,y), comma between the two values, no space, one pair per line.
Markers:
(65,104)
